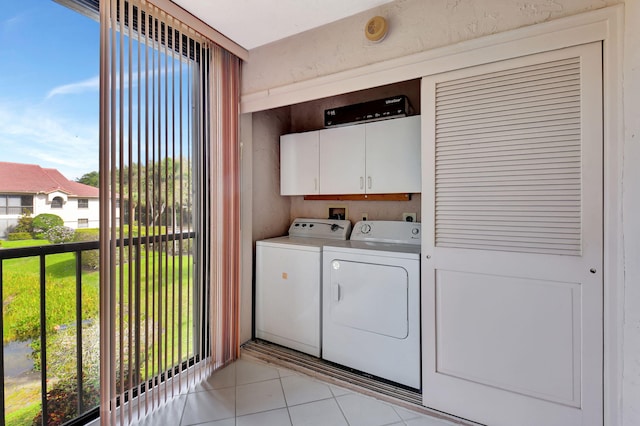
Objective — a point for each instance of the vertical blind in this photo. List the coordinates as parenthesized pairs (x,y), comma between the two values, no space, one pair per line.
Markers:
(169,233)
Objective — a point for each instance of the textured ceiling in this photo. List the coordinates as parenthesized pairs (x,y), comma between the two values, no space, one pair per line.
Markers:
(252,23)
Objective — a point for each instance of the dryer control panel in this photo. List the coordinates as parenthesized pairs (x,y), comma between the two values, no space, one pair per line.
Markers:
(387,231)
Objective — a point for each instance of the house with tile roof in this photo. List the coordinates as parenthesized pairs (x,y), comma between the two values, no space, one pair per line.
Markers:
(29,188)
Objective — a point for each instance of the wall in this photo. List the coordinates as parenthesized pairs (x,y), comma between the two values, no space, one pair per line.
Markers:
(92,213)
(246,226)
(7,224)
(270,207)
(310,116)
(415,26)
(265,213)
(631,217)
(376,210)
(70,213)
(269,213)
(270,210)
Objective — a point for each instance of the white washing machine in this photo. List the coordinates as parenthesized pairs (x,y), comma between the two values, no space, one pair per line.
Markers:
(371,301)
(288,283)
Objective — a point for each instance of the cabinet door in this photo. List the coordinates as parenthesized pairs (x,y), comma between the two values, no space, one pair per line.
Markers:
(342,160)
(299,163)
(393,156)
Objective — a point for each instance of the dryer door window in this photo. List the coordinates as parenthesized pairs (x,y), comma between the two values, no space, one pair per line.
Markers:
(370,297)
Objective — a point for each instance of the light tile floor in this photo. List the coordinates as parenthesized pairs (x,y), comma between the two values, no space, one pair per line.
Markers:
(250,393)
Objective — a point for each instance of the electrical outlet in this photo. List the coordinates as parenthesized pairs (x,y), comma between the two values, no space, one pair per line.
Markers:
(409,217)
(336,212)
(365,216)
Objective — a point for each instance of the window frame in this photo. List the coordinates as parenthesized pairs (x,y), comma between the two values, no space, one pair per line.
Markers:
(22,206)
(54,203)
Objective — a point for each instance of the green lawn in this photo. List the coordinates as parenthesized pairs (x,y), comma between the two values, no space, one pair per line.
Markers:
(21,302)
(23,416)
(21,293)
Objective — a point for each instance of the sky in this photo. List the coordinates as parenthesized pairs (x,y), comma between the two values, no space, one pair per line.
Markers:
(49,103)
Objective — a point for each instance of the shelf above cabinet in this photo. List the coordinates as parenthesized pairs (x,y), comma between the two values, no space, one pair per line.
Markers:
(359,197)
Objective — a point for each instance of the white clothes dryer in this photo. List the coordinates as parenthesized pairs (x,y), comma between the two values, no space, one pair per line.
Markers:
(371,301)
(288,283)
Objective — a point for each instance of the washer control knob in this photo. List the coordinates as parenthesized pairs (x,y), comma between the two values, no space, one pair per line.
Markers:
(365,228)
(415,231)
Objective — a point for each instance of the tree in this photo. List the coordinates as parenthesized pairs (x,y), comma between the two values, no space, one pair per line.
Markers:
(153,194)
(25,224)
(156,194)
(91,179)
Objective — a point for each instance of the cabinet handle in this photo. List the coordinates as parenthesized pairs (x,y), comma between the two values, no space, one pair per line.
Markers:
(361,182)
(369,181)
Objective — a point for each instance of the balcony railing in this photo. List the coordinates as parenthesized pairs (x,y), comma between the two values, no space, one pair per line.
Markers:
(43,253)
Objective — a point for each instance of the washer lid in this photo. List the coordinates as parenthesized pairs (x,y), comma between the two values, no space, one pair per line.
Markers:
(297,243)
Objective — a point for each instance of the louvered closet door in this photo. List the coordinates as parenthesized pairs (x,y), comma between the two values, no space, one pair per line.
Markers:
(512,272)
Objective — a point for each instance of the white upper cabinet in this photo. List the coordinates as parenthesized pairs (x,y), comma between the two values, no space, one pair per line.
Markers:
(299,163)
(393,156)
(374,158)
(342,160)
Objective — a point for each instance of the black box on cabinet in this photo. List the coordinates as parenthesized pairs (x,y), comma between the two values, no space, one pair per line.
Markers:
(380,109)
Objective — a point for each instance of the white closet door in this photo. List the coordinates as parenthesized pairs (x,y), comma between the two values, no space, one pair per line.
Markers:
(512,270)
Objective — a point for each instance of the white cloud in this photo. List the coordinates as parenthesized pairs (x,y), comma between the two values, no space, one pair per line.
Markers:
(38,136)
(93,84)
(11,23)
(90,85)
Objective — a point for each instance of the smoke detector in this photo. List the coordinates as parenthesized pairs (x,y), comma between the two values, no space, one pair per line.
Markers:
(376,29)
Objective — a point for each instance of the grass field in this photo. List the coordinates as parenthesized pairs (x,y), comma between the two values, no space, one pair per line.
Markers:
(21,311)
(21,293)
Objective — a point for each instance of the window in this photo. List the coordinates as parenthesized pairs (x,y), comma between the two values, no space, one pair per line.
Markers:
(56,203)
(83,203)
(83,223)
(26,204)
(16,204)
(168,141)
